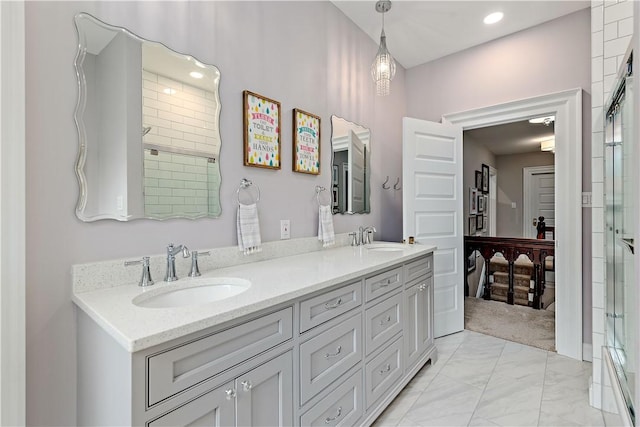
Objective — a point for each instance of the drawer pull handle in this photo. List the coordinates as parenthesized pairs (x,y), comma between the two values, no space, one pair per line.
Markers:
(384,321)
(385,370)
(334,305)
(231,394)
(246,385)
(330,419)
(338,351)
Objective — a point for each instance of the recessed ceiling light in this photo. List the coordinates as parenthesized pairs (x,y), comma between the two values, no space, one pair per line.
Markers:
(494,17)
(196,75)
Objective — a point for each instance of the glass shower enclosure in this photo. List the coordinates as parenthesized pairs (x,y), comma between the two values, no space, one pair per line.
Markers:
(621,316)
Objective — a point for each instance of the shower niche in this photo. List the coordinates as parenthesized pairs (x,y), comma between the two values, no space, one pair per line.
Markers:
(620,293)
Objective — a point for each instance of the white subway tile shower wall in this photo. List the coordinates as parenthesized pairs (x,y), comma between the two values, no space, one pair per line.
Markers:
(184,118)
(611,29)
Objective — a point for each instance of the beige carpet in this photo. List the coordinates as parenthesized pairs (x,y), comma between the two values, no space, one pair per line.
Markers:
(511,322)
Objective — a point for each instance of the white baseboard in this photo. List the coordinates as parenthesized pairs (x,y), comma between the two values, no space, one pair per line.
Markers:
(587,352)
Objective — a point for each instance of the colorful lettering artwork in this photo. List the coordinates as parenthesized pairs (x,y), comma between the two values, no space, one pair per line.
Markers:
(306,142)
(261,131)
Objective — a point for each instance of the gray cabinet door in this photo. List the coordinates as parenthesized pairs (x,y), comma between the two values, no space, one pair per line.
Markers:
(418,332)
(213,409)
(265,394)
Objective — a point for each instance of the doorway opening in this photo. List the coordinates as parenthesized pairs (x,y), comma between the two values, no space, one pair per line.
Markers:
(566,106)
(518,203)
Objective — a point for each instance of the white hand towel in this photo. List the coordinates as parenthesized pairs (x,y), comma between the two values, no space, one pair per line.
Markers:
(248,229)
(325,226)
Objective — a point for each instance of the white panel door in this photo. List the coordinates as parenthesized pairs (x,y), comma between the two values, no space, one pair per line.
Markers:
(356,159)
(432,211)
(540,190)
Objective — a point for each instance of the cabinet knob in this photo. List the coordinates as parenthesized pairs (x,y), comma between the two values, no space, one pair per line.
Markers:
(330,419)
(230,394)
(246,385)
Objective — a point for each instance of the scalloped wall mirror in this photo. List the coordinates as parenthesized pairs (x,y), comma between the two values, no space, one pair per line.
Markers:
(148,128)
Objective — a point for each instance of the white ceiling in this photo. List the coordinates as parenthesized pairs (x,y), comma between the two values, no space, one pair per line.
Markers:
(421,31)
(511,138)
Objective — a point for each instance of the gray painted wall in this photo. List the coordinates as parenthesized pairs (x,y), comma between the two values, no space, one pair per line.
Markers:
(510,189)
(474,156)
(549,58)
(303,54)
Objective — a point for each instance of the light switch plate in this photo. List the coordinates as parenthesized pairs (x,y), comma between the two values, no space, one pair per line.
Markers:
(285,231)
(586,199)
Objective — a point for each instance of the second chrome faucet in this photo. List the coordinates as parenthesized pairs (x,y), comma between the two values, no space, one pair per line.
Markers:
(172,251)
(362,236)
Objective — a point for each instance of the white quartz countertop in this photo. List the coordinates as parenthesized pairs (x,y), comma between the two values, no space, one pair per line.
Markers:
(273,282)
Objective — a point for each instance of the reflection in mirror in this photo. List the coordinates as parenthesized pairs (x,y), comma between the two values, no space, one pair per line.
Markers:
(147,120)
(351,144)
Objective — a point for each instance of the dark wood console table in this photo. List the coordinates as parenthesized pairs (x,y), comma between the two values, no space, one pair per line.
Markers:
(511,248)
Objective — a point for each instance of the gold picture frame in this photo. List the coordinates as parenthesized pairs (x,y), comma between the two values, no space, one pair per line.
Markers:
(262,131)
(306,142)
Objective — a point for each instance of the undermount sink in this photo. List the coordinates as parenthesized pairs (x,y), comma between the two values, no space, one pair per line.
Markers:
(201,292)
(386,247)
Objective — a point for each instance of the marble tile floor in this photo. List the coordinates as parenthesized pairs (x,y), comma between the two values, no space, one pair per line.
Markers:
(480,380)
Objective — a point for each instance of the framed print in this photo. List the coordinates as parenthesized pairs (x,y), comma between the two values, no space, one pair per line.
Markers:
(472,225)
(473,201)
(306,142)
(478,179)
(481,203)
(261,131)
(479,222)
(485,178)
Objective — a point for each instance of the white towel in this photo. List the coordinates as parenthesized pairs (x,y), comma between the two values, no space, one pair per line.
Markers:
(248,229)
(325,226)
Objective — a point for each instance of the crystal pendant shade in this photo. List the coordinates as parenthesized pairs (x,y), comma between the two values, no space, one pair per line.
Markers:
(383,68)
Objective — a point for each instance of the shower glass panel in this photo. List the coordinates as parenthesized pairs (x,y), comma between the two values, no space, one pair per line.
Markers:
(621,315)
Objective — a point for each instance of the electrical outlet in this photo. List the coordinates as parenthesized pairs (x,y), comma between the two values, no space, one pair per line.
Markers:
(285,231)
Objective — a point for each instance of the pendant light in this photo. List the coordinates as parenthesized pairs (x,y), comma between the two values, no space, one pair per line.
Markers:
(383,68)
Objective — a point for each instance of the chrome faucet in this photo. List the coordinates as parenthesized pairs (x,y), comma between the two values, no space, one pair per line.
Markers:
(172,251)
(365,234)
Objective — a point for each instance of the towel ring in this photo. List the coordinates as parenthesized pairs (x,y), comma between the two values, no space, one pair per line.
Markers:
(245,184)
(319,190)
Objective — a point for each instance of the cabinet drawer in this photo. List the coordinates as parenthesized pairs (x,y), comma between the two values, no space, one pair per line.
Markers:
(326,357)
(382,283)
(321,308)
(342,407)
(418,268)
(383,371)
(177,369)
(382,322)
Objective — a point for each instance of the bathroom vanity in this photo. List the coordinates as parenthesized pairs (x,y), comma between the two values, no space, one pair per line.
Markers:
(322,338)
